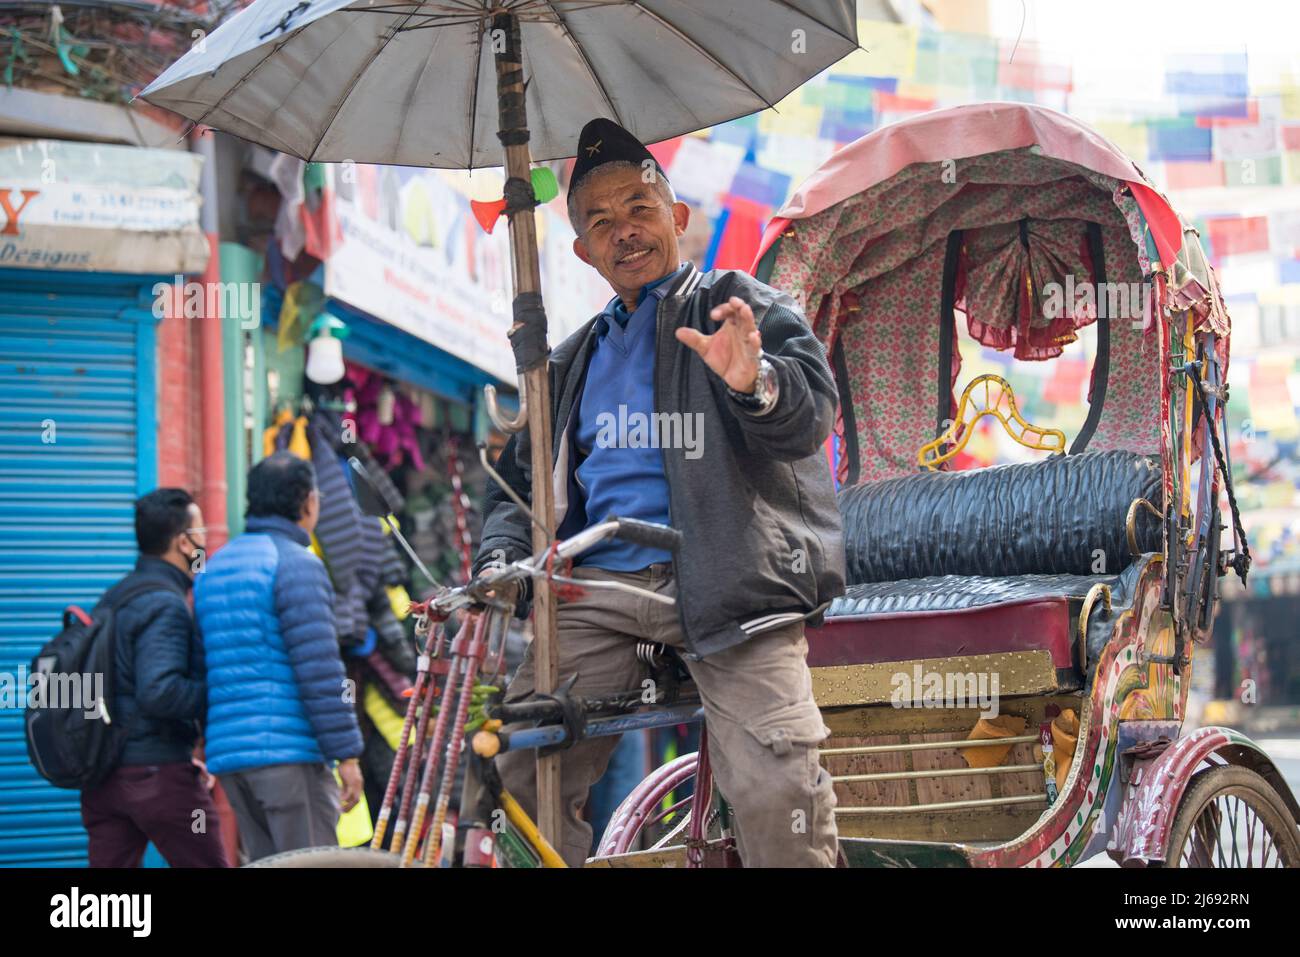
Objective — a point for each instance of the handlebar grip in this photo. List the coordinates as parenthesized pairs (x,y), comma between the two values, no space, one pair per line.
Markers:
(649,534)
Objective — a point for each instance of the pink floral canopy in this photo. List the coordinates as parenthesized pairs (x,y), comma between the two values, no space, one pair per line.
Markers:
(1008,236)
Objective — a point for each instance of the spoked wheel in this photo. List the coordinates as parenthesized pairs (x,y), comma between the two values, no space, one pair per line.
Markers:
(1232,817)
(658,812)
(330,857)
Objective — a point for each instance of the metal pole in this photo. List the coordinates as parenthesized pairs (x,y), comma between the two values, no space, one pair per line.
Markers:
(537,386)
(213,489)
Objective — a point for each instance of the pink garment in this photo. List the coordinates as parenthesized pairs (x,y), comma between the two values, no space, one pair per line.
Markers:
(394,444)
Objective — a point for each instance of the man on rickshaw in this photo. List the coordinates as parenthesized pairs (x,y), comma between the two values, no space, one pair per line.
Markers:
(699,401)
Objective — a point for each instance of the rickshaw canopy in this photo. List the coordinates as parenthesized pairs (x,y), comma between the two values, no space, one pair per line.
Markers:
(1022,219)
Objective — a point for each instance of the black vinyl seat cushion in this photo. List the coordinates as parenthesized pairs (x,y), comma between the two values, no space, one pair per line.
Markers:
(1061,516)
(939,593)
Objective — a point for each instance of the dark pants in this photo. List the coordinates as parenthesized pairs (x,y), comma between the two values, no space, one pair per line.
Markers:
(163,803)
(284,807)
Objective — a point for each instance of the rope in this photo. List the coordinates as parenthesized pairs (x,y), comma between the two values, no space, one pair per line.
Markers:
(1241,560)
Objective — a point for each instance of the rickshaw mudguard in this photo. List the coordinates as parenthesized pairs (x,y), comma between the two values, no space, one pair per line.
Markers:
(1156,786)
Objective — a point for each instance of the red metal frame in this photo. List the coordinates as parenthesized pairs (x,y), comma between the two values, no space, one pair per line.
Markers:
(1026,626)
(630,816)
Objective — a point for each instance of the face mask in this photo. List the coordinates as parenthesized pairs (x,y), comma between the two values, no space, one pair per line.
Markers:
(198,549)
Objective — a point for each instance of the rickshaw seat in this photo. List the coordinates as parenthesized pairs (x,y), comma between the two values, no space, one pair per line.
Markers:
(1060,516)
(953,615)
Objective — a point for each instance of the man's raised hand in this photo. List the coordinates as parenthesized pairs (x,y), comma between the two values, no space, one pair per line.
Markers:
(733,351)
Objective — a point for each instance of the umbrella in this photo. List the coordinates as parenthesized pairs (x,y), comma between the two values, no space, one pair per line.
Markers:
(442,83)
(414,84)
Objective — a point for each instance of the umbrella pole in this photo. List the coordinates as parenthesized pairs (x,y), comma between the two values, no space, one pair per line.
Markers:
(528,337)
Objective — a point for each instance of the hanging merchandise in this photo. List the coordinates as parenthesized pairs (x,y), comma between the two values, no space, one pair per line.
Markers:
(287,432)
(440,517)
(286,174)
(387,420)
(322,233)
(385,407)
(339,528)
(406,441)
(461,505)
(302,303)
(325,349)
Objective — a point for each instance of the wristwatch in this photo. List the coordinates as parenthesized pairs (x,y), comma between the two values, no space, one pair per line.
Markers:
(763,399)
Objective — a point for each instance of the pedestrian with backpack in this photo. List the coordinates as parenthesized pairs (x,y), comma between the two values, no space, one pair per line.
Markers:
(156,792)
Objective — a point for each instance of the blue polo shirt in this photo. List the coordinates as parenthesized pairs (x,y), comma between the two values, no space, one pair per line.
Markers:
(621,470)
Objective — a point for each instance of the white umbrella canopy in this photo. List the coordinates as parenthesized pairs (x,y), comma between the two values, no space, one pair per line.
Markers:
(414,84)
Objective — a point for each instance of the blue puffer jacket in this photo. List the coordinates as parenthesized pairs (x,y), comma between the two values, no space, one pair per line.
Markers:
(276,682)
(158,693)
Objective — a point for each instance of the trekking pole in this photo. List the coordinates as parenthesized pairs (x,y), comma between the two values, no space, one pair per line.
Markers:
(471,648)
(418,756)
(424,679)
(421,704)
(440,732)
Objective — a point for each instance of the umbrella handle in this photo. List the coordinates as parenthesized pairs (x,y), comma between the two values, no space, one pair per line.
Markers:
(509,426)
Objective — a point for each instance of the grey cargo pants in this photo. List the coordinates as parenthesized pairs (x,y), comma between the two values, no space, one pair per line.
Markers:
(283,807)
(764,726)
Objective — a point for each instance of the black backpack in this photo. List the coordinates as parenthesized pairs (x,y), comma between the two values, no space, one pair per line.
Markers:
(73,737)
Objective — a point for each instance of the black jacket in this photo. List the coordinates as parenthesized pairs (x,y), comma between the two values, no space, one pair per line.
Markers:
(160,693)
(756,508)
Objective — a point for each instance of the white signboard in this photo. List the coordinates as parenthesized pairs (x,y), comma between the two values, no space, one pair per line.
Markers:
(413,255)
(92,206)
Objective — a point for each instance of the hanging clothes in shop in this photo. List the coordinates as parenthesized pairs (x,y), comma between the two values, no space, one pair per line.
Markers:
(287,432)
(387,419)
(339,530)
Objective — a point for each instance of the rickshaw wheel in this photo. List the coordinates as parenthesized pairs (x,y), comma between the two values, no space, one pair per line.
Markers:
(640,822)
(330,857)
(1232,817)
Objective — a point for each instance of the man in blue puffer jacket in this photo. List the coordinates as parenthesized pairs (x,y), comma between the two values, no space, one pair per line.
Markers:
(279,705)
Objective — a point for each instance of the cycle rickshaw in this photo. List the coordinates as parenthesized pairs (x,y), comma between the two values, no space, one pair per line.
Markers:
(1080,579)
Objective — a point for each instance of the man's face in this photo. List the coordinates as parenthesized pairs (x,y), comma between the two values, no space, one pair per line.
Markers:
(627,230)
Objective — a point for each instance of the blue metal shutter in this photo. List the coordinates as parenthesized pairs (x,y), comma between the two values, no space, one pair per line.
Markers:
(77,445)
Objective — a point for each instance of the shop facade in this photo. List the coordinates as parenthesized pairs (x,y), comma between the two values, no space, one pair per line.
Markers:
(91,233)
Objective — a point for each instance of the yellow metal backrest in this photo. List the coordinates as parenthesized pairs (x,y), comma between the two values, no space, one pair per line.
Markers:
(987,395)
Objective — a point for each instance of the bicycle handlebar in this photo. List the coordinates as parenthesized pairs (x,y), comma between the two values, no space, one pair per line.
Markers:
(626,529)
(649,534)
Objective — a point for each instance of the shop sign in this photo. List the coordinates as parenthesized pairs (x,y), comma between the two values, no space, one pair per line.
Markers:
(412,255)
(94,206)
